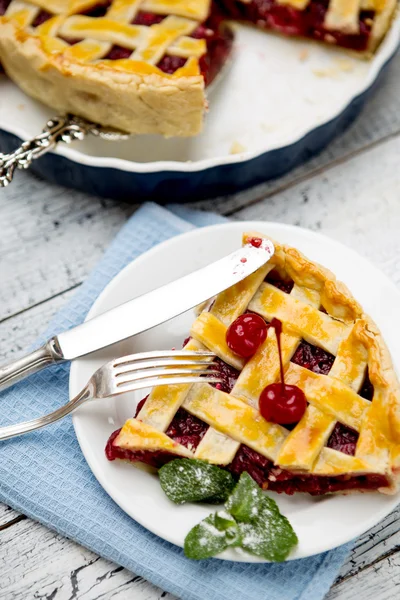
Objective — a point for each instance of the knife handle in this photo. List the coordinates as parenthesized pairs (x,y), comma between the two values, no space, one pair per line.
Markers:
(37,360)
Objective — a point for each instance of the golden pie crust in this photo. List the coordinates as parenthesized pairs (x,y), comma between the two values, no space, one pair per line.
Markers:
(129,94)
(322,311)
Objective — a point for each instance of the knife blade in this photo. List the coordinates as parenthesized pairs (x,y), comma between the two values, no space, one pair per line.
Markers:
(142,313)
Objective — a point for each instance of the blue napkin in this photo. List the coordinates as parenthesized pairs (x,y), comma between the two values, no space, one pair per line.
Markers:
(45,476)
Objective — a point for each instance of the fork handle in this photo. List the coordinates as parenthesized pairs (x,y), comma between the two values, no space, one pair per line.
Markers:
(15,430)
(37,360)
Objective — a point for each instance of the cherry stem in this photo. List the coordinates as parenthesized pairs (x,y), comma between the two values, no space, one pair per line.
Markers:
(277,325)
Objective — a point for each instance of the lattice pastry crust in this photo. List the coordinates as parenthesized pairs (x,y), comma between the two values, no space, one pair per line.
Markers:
(133,94)
(343,15)
(320,310)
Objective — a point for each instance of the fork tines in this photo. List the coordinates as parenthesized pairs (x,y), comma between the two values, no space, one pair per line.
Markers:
(150,383)
(130,367)
(165,368)
(123,378)
(167,354)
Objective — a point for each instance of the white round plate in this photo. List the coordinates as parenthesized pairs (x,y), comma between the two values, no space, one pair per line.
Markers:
(276,91)
(320,523)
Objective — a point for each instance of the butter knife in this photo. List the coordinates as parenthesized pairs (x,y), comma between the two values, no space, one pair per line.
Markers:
(141,313)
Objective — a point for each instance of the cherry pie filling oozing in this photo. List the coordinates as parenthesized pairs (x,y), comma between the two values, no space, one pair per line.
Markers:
(188,431)
(309,22)
(218,36)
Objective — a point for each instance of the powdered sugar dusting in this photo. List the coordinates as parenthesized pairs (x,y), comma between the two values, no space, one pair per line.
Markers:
(189,480)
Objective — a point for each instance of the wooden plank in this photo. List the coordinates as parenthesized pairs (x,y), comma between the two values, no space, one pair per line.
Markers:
(37,563)
(38,222)
(372,547)
(19,332)
(356,203)
(380,581)
(7,516)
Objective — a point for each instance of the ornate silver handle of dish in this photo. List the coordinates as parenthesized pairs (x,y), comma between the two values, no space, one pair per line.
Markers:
(65,129)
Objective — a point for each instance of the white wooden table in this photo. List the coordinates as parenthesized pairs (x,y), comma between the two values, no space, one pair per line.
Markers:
(351,192)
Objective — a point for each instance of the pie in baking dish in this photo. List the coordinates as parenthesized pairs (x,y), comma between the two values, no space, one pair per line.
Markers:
(327,422)
(142,65)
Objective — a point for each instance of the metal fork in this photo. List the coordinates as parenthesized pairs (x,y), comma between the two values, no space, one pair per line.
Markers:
(127,374)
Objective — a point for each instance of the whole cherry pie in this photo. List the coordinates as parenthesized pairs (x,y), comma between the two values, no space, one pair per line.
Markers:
(142,65)
(308,400)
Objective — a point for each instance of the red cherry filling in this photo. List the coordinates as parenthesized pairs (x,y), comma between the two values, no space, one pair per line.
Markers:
(170,64)
(252,462)
(279,480)
(255,241)
(118,53)
(98,10)
(227,374)
(274,278)
(367,389)
(41,17)
(271,14)
(313,358)
(4,4)
(147,19)
(185,429)
(343,439)
(246,334)
(282,404)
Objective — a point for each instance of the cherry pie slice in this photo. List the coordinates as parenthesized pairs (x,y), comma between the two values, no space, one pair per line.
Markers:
(345,438)
(142,65)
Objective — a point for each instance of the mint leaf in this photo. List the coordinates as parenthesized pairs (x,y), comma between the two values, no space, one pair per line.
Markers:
(263,530)
(210,537)
(189,480)
(224,522)
(247,500)
(272,538)
(251,520)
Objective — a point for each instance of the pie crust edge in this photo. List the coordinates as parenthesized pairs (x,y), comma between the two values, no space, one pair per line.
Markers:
(385,418)
(382,24)
(132,102)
